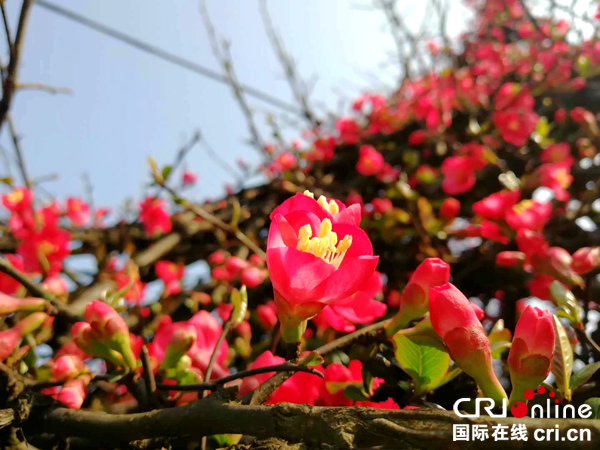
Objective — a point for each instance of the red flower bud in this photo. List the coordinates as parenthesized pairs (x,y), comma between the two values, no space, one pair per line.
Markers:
(67,367)
(586,259)
(449,209)
(454,320)
(415,297)
(532,351)
(510,259)
(267,315)
(252,276)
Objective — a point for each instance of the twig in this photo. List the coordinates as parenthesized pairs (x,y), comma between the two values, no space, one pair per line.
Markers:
(9,83)
(201,212)
(165,56)
(221,53)
(262,393)
(211,364)
(149,380)
(45,88)
(297,86)
(36,289)
(6,28)
(17,145)
(211,386)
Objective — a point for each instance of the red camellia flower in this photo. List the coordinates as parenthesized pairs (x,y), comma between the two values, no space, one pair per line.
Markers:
(208,331)
(514,116)
(370,161)
(529,214)
(359,308)
(171,274)
(299,388)
(459,175)
(78,212)
(267,315)
(316,255)
(44,248)
(154,216)
(492,231)
(348,130)
(454,320)
(556,153)
(532,351)
(8,284)
(382,205)
(495,206)
(556,176)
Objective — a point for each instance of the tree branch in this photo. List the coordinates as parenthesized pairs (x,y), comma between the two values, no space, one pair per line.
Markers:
(339,427)
(211,386)
(9,83)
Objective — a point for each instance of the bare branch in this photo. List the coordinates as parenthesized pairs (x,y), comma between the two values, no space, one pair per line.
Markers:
(297,85)
(222,54)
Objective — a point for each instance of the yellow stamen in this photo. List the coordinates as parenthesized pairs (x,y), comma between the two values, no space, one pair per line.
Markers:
(331,207)
(522,206)
(325,245)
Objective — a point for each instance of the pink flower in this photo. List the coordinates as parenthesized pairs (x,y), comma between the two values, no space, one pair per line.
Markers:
(217,258)
(556,176)
(252,277)
(347,130)
(155,217)
(299,388)
(337,378)
(72,394)
(495,206)
(370,161)
(382,205)
(539,286)
(8,284)
(556,153)
(459,175)
(359,308)
(78,212)
(265,359)
(188,178)
(529,214)
(492,231)
(171,274)
(267,315)
(208,331)
(515,126)
(313,260)
(234,265)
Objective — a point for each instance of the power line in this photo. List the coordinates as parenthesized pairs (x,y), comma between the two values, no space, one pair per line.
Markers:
(170,57)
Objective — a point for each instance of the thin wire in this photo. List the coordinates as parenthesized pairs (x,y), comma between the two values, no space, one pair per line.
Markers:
(170,57)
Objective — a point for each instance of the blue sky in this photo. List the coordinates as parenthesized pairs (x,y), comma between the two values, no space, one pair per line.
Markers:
(127,105)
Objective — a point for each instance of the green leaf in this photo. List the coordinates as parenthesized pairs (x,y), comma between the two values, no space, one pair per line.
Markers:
(582,376)
(239,300)
(566,300)
(595,404)
(312,359)
(450,375)
(423,358)
(499,338)
(166,171)
(562,365)
(356,393)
